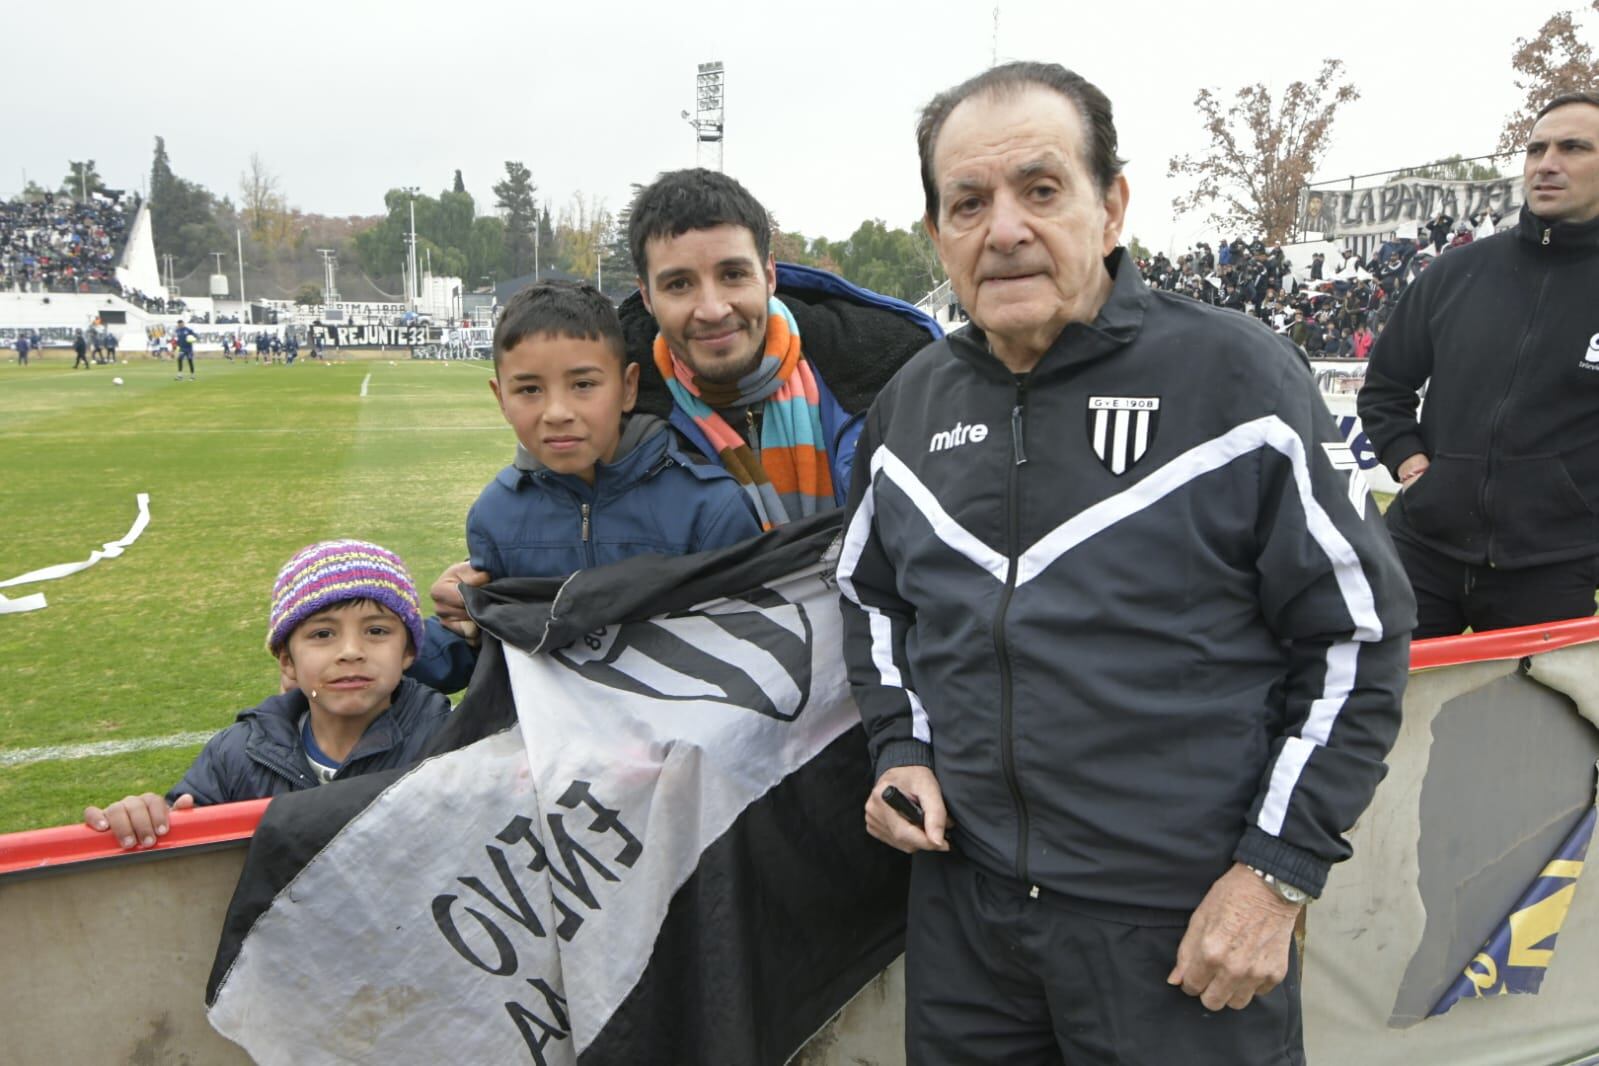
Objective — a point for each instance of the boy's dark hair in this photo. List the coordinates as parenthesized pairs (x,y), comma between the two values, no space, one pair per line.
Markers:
(1099,125)
(561,309)
(683,200)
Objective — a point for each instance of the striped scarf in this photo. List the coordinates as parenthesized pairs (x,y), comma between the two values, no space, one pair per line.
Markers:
(791,477)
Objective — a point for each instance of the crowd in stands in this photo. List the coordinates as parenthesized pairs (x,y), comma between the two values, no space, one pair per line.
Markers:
(1331,309)
(58,244)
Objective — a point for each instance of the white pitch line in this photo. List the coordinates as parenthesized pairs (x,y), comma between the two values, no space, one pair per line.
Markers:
(364,383)
(24,756)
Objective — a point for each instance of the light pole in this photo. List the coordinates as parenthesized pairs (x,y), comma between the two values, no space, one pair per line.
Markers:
(412,285)
(330,275)
(710,94)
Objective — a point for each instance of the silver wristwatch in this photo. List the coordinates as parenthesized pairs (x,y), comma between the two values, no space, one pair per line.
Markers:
(1290,893)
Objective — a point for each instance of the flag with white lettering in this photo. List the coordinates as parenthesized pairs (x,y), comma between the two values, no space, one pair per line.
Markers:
(645,843)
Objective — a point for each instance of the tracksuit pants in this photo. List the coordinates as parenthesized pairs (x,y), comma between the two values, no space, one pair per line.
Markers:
(1452,595)
(190,358)
(994,976)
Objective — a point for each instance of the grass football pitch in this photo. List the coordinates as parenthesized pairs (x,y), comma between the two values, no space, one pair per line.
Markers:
(244,466)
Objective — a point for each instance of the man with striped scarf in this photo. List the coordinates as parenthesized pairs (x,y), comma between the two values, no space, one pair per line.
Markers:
(765,368)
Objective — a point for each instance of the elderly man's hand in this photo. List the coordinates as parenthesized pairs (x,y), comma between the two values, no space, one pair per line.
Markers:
(1237,943)
(447,601)
(889,826)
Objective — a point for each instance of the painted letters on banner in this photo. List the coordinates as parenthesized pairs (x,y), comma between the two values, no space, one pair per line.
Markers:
(1402,205)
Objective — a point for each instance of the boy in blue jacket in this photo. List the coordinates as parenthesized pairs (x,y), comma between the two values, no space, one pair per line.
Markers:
(344,626)
(590,484)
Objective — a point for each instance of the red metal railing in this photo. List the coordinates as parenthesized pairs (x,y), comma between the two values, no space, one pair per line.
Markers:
(66,845)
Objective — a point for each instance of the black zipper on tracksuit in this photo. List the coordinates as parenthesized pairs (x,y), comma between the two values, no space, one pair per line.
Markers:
(1007,740)
(1494,423)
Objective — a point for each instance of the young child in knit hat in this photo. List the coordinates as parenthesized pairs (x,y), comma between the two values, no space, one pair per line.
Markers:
(344,625)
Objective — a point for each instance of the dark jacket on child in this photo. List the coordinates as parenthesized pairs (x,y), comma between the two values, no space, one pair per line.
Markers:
(651,499)
(261,753)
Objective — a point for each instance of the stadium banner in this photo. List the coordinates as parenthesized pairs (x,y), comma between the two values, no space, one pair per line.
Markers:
(645,843)
(1490,790)
(1400,205)
(1517,956)
(1339,385)
(339,311)
(471,342)
(341,336)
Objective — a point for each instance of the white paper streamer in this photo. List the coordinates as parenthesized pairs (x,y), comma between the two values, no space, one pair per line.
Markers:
(109,550)
(25,603)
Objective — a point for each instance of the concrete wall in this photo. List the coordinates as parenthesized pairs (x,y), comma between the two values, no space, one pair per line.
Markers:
(73,309)
(108,964)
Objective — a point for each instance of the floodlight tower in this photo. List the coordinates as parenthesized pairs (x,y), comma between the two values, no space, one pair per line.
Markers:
(330,275)
(710,86)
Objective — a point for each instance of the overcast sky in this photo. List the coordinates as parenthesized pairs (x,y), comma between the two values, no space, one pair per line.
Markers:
(344,101)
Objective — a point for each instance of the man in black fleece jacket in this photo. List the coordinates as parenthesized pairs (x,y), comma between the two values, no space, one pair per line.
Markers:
(1497,520)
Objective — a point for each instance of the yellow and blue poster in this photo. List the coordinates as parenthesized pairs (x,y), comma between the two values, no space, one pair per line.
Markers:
(1514,959)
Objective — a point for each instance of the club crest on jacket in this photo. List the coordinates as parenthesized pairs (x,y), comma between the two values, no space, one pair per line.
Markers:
(1590,358)
(1121,429)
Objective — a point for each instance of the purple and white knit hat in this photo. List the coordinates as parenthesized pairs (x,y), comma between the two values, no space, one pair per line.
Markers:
(333,572)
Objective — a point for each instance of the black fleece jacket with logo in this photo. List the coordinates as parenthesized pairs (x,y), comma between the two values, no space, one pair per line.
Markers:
(1507,330)
(1135,608)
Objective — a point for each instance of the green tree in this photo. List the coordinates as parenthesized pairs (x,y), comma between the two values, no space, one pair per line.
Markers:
(894,262)
(620,269)
(460,186)
(82,179)
(582,230)
(1553,62)
(1261,152)
(184,215)
(309,295)
(514,197)
(449,235)
(546,235)
(485,251)
(1136,249)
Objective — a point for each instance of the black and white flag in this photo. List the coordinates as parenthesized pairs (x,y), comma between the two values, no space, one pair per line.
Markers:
(645,843)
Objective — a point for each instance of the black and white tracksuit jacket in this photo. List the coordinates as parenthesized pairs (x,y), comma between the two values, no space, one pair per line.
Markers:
(1134,608)
(1507,329)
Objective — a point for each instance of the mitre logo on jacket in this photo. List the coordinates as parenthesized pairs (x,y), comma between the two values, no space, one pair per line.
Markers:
(960,434)
(1121,428)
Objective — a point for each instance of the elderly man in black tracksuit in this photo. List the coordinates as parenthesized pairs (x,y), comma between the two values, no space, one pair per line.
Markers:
(1119,616)
(1498,518)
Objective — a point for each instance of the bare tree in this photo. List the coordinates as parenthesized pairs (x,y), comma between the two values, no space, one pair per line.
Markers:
(1261,152)
(264,209)
(1547,65)
(581,231)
